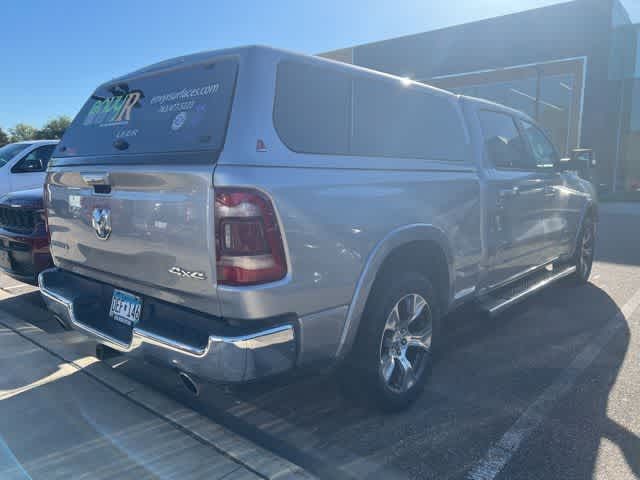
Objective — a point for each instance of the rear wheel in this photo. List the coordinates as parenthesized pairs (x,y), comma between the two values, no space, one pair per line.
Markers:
(585,250)
(394,349)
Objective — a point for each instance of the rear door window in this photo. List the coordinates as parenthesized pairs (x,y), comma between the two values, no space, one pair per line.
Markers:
(504,146)
(183,109)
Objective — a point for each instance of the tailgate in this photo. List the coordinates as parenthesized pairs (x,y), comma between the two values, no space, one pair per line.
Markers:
(146,229)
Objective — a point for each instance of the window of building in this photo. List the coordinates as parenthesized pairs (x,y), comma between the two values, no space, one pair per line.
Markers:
(555,104)
(518,93)
(549,92)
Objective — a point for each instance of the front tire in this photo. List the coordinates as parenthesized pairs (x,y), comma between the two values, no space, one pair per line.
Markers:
(394,348)
(585,251)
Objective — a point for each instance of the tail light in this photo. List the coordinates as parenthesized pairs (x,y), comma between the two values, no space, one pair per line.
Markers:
(249,249)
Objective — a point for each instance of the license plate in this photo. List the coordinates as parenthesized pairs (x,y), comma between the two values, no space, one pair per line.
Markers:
(5,261)
(125,307)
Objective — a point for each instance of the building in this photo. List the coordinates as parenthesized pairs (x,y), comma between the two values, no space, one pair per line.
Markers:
(573,66)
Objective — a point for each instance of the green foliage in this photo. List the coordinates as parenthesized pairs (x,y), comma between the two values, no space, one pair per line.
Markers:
(51,130)
(22,132)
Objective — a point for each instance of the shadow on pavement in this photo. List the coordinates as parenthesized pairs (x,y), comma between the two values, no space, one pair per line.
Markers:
(618,239)
(490,372)
(30,308)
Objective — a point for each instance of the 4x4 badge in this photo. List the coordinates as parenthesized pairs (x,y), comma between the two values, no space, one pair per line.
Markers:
(101,222)
(181,272)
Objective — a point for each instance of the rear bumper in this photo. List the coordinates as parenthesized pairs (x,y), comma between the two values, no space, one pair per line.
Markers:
(207,348)
(28,255)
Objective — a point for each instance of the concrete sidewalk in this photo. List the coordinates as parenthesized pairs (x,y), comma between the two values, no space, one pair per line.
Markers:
(64,414)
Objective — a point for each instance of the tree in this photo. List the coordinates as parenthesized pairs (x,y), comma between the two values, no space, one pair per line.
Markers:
(53,128)
(21,132)
(4,138)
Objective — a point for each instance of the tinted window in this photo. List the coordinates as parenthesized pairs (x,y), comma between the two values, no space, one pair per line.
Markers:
(392,119)
(321,110)
(36,161)
(9,151)
(503,144)
(312,108)
(544,153)
(182,109)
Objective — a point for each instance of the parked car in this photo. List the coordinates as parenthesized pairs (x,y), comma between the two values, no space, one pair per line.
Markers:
(24,240)
(243,213)
(23,164)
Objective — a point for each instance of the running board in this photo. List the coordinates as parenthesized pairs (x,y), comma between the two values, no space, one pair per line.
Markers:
(495,303)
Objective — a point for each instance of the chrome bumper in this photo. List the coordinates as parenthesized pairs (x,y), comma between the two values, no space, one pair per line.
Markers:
(223,359)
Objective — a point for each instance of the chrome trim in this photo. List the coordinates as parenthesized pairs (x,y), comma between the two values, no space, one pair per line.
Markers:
(495,309)
(256,354)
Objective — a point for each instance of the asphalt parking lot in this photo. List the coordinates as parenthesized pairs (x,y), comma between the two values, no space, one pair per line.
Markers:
(549,389)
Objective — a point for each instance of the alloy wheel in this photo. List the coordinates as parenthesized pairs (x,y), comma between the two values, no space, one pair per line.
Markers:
(405,347)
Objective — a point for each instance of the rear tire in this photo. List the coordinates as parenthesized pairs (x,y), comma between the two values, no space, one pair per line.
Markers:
(393,353)
(585,251)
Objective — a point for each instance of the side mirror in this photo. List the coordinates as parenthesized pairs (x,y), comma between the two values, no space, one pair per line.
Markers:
(582,161)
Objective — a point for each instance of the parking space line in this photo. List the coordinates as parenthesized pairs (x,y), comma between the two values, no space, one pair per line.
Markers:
(501,453)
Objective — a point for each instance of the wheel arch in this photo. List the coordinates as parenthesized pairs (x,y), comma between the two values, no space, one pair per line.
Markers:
(398,242)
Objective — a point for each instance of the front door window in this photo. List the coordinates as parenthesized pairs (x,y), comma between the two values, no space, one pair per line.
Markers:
(544,155)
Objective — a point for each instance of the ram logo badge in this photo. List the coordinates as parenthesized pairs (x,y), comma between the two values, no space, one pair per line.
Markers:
(101,222)
(181,272)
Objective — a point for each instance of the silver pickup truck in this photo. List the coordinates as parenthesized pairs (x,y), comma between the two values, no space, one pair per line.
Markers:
(242,213)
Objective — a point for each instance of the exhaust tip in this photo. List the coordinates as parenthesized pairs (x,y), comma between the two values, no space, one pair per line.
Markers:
(189,383)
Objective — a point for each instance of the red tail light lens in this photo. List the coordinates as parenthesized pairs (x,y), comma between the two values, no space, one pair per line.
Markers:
(249,249)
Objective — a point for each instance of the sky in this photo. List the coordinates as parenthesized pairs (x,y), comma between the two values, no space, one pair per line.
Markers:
(54,54)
